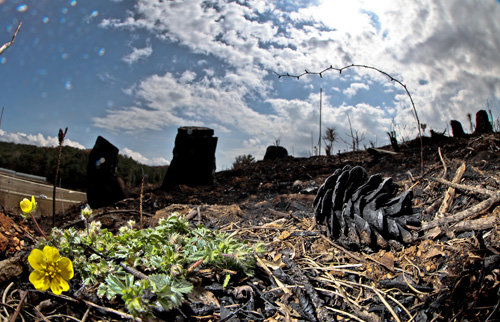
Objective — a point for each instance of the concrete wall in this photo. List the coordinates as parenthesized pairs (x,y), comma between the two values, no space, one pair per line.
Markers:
(13,188)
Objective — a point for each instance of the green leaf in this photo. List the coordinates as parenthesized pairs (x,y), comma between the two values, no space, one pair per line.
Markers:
(226,280)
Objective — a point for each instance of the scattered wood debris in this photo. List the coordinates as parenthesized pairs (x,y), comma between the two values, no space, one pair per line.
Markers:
(449,272)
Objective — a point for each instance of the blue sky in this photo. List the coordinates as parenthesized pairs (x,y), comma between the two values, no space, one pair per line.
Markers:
(135,71)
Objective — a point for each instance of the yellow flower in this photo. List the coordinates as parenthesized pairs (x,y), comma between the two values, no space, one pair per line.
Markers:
(28,206)
(50,270)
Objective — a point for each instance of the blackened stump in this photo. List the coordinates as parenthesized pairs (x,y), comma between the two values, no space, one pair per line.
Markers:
(274,152)
(483,125)
(457,129)
(194,158)
(104,187)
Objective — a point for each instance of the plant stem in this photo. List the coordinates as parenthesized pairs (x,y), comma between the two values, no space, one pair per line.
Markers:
(38,227)
(59,152)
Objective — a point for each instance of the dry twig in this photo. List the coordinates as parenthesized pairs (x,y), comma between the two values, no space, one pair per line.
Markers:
(468,213)
(445,168)
(13,317)
(11,42)
(450,193)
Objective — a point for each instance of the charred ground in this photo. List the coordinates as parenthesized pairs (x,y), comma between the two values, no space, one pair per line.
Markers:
(304,275)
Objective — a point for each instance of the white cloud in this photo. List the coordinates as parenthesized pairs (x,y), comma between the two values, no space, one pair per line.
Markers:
(187,77)
(138,54)
(354,88)
(142,159)
(175,101)
(36,139)
(445,52)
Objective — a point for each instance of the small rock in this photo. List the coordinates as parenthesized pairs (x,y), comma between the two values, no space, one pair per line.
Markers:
(9,268)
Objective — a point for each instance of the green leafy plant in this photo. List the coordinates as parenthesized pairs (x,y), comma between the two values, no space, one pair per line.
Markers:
(150,268)
(242,161)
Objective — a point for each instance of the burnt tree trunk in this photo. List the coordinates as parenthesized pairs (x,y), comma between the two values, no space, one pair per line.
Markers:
(483,125)
(104,187)
(457,129)
(194,158)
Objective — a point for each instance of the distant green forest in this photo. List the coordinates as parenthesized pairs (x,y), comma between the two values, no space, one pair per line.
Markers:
(41,161)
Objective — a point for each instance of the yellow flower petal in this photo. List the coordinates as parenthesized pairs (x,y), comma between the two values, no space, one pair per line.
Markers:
(33,203)
(36,259)
(25,205)
(58,285)
(39,280)
(66,267)
(51,253)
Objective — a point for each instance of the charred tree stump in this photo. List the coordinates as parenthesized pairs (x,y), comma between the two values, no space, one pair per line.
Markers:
(394,140)
(194,158)
(104,186)
(274,152)
(361,211)
(483,125)
(456,129)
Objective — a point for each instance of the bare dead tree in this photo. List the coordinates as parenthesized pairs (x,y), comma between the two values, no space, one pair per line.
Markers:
(469,118)
(320,101)
(355,136)
(329,137)
(320,74)
(423,126)
(494,123)
(11,42)
(394,140)
(358,138)
(352,134)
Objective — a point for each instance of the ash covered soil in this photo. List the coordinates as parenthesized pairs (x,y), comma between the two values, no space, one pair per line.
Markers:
(450,272)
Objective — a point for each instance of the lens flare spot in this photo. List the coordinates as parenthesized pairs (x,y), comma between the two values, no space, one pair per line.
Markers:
(99,162)
(101,52)
(73,3)
(64,11)
(64,55)
(67,85)
(45,20)
(3,60)
(62,20)
(22,8)
(94,14)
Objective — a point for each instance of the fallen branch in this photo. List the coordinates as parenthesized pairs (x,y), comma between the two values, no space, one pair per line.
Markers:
(464,187)
(468,213)
(445,168)
(110,310)
(476,224)
(450,193)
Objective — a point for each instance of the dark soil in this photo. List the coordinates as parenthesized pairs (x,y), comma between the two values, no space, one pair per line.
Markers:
(446,276)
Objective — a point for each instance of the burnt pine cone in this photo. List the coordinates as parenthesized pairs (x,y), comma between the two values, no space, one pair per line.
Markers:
(359,211)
